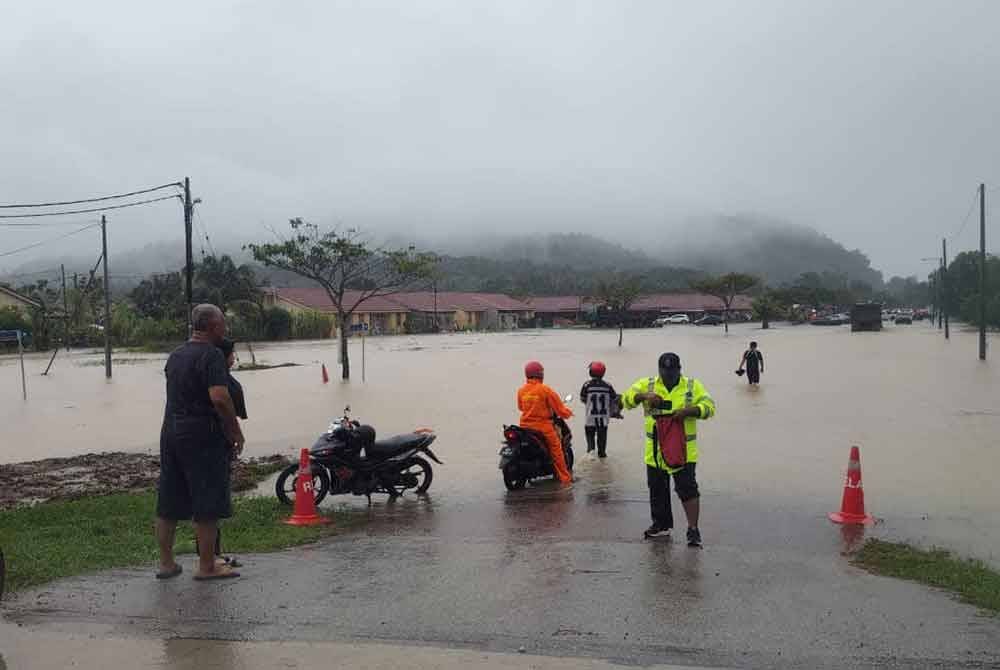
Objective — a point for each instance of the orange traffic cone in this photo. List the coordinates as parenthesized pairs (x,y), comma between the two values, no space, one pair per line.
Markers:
(326,377)
(305,505)
(852,507)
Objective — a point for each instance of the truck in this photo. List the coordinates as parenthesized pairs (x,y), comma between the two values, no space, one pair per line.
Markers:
(866,316)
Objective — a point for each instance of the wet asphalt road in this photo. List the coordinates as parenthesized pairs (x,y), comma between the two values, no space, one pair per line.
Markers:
(561,573)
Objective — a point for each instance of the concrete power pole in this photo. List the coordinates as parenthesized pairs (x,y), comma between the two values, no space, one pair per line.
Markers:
(62,268)
(982,272)
(944,272)
(189,262)
(107,299)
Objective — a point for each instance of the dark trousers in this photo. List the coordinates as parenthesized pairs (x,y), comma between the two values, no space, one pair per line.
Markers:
(753,375)
(600,435)
(659,492)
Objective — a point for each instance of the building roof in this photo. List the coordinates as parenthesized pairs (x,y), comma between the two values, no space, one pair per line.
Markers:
(318,299)
(559,303)
(20,297)
(686,302)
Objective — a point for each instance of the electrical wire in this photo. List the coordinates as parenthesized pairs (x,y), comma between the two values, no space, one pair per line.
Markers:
(106,197)
(204,229)
(37,224)
(84,211)
(965,221)
(54,239)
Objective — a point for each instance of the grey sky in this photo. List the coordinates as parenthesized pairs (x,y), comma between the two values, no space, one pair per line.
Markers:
(871,121)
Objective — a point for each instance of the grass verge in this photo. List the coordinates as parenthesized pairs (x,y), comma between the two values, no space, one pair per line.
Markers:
(973,581)
(61,539)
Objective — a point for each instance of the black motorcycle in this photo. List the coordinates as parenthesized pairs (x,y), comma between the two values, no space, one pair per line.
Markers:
(347,459)
(524,456)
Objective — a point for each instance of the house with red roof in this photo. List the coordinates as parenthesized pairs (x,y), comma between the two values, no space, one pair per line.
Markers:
(413,311)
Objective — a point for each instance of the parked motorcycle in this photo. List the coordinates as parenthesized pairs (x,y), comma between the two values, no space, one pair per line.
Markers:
(347,459)
(524,456)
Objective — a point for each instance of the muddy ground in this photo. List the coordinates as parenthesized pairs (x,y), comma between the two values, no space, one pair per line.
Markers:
(101,474)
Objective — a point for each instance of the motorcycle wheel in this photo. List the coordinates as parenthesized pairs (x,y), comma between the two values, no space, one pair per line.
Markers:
(421,471)
(568,455)
(284,488)
(512,478)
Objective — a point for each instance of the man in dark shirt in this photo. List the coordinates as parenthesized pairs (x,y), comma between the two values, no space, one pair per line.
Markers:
(753,359)
(200,435)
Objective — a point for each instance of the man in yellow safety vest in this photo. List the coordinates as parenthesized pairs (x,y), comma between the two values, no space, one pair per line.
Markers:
(682,399)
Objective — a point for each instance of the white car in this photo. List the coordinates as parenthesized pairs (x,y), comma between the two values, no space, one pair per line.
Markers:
(674,318)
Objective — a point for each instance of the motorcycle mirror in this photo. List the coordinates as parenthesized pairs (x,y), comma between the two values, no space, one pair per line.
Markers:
(347,410)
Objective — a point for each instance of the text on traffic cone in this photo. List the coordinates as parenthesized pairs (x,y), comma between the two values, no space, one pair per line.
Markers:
(305,505)
(852,506)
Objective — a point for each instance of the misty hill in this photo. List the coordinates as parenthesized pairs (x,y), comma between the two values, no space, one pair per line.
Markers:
(560,263)
(777,251)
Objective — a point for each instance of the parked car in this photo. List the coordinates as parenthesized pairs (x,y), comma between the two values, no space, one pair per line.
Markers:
(903,318)
(831,320)
(672,319)
(709,320)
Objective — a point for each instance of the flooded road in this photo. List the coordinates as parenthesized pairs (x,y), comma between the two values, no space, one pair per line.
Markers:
(925,412)
(566,573)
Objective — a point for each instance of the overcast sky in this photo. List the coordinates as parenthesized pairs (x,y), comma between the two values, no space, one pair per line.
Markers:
(871,121)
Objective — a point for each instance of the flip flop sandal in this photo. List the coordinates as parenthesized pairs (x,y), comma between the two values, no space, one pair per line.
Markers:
(229,574)
(170,574)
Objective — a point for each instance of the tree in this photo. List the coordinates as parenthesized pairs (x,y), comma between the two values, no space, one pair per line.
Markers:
(726,287)
(767,306)
(617,296)
(161,297)
(345,264)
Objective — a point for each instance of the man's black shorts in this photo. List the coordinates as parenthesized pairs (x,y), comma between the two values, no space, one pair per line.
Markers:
(685,483)
(194,471)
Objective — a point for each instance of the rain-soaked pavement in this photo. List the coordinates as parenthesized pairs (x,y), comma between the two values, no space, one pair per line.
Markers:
(565,572)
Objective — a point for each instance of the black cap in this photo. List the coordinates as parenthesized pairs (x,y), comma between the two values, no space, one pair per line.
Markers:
(227,346)
(670,360)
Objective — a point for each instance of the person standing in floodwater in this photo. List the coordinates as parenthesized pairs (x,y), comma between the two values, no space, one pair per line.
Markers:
(753,362)
(600,399)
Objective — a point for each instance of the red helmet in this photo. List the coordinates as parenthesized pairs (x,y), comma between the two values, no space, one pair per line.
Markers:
(534,370)
(597,369)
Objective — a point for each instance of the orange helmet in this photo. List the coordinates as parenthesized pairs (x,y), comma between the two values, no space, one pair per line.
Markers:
(534,370)
(597,369)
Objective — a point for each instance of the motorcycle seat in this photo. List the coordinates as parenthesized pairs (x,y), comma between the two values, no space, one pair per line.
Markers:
(382,449)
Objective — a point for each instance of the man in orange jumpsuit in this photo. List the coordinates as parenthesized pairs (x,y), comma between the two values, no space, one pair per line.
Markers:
(538,403)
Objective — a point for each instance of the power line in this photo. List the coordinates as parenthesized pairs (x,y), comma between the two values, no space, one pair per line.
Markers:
(204,230)
(35,224)
(54,239)
(84,211)
(965,221)
(106,197)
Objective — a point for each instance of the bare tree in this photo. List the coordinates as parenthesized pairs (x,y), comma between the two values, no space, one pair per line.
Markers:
(618,295)
(345,264)
(726,287)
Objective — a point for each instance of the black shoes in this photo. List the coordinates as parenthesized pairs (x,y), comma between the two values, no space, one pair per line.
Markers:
(656,531)
(694,537)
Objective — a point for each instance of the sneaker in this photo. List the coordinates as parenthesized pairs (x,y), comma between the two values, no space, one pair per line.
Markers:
(656,530)
(694,537)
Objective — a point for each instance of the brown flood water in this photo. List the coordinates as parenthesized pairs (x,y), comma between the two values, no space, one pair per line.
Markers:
(924,412)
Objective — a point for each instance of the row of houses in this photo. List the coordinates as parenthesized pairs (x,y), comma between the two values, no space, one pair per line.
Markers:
(449,310)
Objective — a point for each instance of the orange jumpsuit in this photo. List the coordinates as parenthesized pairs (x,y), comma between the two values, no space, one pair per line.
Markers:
(538,403)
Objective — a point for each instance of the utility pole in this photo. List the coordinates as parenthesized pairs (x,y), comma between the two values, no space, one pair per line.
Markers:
(62,268)
(982,272)
(107,298)
(189,267)
(944,273)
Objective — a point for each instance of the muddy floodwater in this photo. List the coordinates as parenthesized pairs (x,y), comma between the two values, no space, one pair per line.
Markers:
(925,412)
